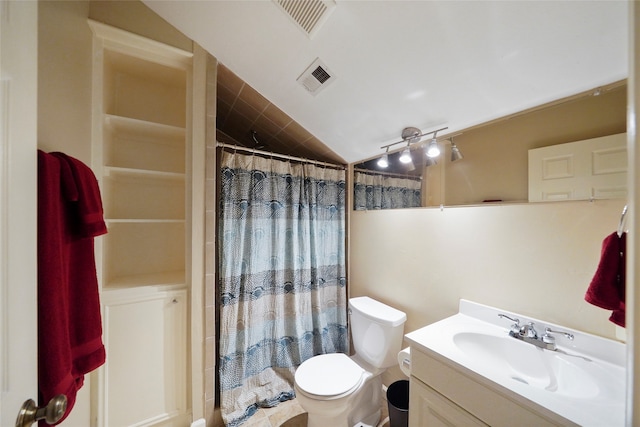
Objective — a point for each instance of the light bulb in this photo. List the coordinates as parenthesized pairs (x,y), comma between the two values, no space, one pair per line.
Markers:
(383,162)
(455,153)
(405,157)
(432,149)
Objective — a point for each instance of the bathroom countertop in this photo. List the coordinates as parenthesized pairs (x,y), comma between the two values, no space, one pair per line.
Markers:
(585,382)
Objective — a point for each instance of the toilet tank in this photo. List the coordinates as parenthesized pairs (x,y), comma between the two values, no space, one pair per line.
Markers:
(376,331)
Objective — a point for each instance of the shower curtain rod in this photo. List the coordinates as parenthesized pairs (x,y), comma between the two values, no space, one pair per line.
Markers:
(281,156)
(395,175)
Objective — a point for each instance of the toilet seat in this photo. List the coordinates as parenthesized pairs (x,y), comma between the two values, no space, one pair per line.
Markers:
(328,376)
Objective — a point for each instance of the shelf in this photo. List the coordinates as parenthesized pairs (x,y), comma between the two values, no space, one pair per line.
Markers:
(152,129)
(138,144)
(144,90)
(143,221)
(116,172)
(143,248)
(138,194)
(169,279)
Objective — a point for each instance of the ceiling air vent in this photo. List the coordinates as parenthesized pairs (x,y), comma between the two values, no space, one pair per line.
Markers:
(316,77)
(309,15)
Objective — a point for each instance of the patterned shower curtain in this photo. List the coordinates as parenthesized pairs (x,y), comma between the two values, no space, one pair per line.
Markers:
(377,191)
(282,277)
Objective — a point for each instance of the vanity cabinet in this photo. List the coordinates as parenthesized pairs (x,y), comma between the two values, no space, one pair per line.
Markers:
(434,410)
(442,395)
(141,159)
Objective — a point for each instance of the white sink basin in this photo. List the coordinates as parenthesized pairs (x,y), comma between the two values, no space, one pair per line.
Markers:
(549,371)
(583,380)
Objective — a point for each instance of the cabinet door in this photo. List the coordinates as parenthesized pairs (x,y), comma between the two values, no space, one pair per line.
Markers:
(146,369)
(430,409)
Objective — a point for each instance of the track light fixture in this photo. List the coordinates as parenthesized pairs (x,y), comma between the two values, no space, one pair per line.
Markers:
(383,162)
(411,135)
(432,149)
(455,152)
(405,157)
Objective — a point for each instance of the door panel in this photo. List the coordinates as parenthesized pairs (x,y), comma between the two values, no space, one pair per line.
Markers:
(145,374)
(591,169)
(18,241)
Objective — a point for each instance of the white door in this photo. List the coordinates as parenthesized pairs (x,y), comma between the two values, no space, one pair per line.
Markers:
(18,217)
(590,169)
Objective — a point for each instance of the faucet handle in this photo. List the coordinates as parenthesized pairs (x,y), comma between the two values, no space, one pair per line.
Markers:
(549,331)
(515,328)
(504,316)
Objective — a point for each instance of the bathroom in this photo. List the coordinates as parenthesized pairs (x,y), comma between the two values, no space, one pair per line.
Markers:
(519,270)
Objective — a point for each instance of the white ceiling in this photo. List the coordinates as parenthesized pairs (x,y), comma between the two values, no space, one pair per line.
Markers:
(426,64)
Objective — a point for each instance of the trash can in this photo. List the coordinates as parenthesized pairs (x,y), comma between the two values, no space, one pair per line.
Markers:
(398,402)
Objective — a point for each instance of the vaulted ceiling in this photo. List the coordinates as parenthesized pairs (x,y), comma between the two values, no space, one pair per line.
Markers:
(394,64)
(246,118)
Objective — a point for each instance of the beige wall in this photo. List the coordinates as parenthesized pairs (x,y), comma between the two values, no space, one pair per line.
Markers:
(64,78)
(535,259)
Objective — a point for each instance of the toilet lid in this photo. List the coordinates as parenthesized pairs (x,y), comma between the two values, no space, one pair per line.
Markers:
(328,374)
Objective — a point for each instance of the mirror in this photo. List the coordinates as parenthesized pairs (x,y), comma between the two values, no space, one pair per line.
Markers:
(495,163)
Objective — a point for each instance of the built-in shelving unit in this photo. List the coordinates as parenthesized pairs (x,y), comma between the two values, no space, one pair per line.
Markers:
(143,164)
(141,145)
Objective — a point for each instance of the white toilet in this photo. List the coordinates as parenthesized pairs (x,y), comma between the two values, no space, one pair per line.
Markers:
(341,391)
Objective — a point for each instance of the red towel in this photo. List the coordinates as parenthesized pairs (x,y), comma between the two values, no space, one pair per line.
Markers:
(607,288)
(88,211)
(69,323)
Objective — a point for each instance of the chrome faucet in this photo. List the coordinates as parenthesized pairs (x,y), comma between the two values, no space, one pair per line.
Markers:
(528,333)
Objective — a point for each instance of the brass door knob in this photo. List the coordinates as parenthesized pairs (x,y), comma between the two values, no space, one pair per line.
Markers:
(51,414)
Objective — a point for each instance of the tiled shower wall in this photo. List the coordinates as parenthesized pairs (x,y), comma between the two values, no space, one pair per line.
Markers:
(211,414)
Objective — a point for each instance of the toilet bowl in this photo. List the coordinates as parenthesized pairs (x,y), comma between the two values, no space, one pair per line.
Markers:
(341,391)
(330,386)
(336,391)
